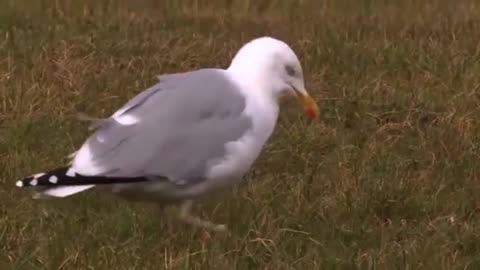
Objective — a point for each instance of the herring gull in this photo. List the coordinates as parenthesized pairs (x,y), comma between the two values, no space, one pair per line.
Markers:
(187,136)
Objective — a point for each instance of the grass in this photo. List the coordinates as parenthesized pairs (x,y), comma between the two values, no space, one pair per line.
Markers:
(387,178)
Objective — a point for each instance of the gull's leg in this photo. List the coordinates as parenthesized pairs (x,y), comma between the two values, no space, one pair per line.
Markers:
(186,216)
(160,209)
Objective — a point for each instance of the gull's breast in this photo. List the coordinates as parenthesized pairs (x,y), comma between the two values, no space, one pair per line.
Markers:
(242,153)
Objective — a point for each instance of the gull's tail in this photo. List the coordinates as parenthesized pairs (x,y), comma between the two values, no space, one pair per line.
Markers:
(63,182)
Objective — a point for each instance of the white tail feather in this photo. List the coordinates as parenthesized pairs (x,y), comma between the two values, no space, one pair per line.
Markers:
(62,191)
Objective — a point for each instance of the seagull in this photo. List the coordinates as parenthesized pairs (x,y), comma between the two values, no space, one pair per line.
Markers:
(190,134)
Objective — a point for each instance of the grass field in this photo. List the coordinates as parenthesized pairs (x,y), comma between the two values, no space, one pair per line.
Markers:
(387,178)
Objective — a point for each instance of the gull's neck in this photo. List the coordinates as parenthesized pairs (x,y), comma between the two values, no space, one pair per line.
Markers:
(251,75)
(261,103)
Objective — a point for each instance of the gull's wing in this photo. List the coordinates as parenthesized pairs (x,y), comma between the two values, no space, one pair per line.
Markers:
(173,130)
(176,128)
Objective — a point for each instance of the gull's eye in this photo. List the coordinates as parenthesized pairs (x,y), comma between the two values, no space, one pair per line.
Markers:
(290,70)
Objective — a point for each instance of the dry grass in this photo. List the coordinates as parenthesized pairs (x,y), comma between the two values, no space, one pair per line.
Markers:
(388,178)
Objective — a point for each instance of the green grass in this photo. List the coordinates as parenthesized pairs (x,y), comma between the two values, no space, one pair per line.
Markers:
(387,178)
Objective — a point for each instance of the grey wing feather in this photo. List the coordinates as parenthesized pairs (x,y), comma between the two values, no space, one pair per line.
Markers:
(184,123)
(138,99)
(144,95)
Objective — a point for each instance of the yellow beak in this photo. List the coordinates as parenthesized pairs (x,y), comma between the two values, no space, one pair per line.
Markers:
(309,105)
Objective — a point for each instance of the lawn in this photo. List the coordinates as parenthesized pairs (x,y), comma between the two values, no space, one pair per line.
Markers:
(388,177)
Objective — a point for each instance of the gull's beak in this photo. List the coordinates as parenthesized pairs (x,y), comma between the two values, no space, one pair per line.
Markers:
(309,105)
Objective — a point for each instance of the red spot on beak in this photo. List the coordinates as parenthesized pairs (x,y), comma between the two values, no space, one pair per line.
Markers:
(309,106)
(311,113)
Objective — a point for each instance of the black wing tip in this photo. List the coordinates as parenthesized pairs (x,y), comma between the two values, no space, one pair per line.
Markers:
(21,183)
(67,176)
(43,179)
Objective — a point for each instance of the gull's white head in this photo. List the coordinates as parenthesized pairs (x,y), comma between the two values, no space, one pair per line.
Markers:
(273,68)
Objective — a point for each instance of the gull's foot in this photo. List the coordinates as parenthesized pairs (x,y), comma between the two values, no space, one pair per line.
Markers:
(186,216)
(196,221)
(220,228)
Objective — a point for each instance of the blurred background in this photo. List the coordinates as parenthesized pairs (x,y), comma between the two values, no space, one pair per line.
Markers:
(386,178)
